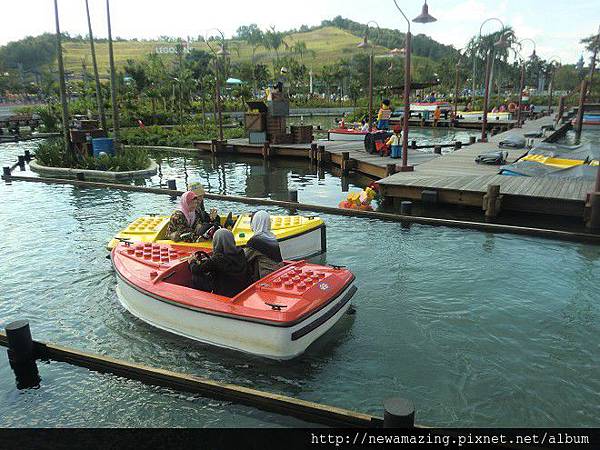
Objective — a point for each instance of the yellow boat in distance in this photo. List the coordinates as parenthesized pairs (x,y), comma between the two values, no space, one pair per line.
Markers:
(299,237)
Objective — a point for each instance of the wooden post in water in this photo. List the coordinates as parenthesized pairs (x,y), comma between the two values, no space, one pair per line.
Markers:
(99,99)
(113,81)
(266,151)
(312,153)
(398,413)
(579,120)
(437,149)
(62,86)
(492,202)
(345,166)
(20,343)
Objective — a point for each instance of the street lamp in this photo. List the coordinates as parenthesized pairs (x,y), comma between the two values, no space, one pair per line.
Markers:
(221,53)
(456,83)
(501,43)
(522,83)
(424,17)
(475,59)
(365,44)
(550,84)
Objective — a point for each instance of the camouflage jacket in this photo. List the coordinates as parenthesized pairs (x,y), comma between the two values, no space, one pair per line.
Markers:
(178,225)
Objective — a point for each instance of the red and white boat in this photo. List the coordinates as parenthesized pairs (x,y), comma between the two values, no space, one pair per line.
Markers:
(346,134)
(277,317)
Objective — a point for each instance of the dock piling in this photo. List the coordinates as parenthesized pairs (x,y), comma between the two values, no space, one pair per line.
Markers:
(172,185)
(457,145)
(320,154)
(27,155)
(492,202)
(6,173)
(413,144)
(406,208)
(266,150)
(593,212)
(472,140)
(20,343)
(345,163)
(312,152)
(398,413)
(293,198)
(21,162)
(437,149)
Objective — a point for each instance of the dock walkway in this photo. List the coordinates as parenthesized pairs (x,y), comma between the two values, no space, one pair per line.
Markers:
(366,163)
(458,179)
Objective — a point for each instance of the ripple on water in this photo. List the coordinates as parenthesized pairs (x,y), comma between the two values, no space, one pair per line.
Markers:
(478,329)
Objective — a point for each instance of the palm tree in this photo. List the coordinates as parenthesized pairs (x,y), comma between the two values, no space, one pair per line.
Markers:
(96,76)
(274,40)
(480,46)
(63,88)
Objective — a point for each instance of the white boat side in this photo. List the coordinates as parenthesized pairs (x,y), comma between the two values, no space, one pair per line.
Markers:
(334,136)
(254,337)
(305,245)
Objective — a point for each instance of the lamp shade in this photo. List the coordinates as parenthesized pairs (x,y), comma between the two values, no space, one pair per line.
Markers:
(364,43)
(424,17)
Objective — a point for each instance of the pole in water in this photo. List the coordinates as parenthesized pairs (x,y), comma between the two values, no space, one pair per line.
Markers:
(406,208)
(172,185)
(27,155)
(6,173)
(21,161)
(20,344)
(398,413)
(293,197)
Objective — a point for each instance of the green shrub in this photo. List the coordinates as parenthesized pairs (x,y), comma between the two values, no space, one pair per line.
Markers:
(179,136)
(52,153)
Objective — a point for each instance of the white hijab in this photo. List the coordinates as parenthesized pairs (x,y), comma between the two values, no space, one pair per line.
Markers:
(261,225)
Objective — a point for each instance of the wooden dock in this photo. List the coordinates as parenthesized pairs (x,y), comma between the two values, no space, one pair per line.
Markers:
(455,178)
(358,159)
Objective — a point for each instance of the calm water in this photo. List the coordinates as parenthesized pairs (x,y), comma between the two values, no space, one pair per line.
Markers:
(477,329)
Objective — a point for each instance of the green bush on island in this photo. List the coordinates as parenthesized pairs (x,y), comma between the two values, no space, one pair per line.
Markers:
(51,153)
(177,136)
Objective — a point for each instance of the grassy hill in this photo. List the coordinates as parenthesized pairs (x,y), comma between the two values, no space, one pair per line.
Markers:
(329,44)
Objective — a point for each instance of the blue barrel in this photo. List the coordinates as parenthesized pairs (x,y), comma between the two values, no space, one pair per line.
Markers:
(105,145)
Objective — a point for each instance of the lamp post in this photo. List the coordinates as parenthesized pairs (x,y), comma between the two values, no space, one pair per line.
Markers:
(365,44)
(593,61)
(456,84)
(475,59)
(522,83)
(502,43)
(219,54)
(550,84)
(424,17)
(113,81)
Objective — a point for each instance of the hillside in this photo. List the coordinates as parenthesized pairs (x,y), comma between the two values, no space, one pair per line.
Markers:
(329,44)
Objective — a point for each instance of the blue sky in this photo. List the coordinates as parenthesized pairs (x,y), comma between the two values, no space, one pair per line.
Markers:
(556,26)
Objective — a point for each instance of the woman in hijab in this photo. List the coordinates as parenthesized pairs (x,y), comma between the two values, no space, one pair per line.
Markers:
(183,221)
(227,267)
(208,222)
(262,250)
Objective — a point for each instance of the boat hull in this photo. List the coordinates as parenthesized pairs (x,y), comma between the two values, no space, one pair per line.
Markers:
(340,135)
(260,338)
